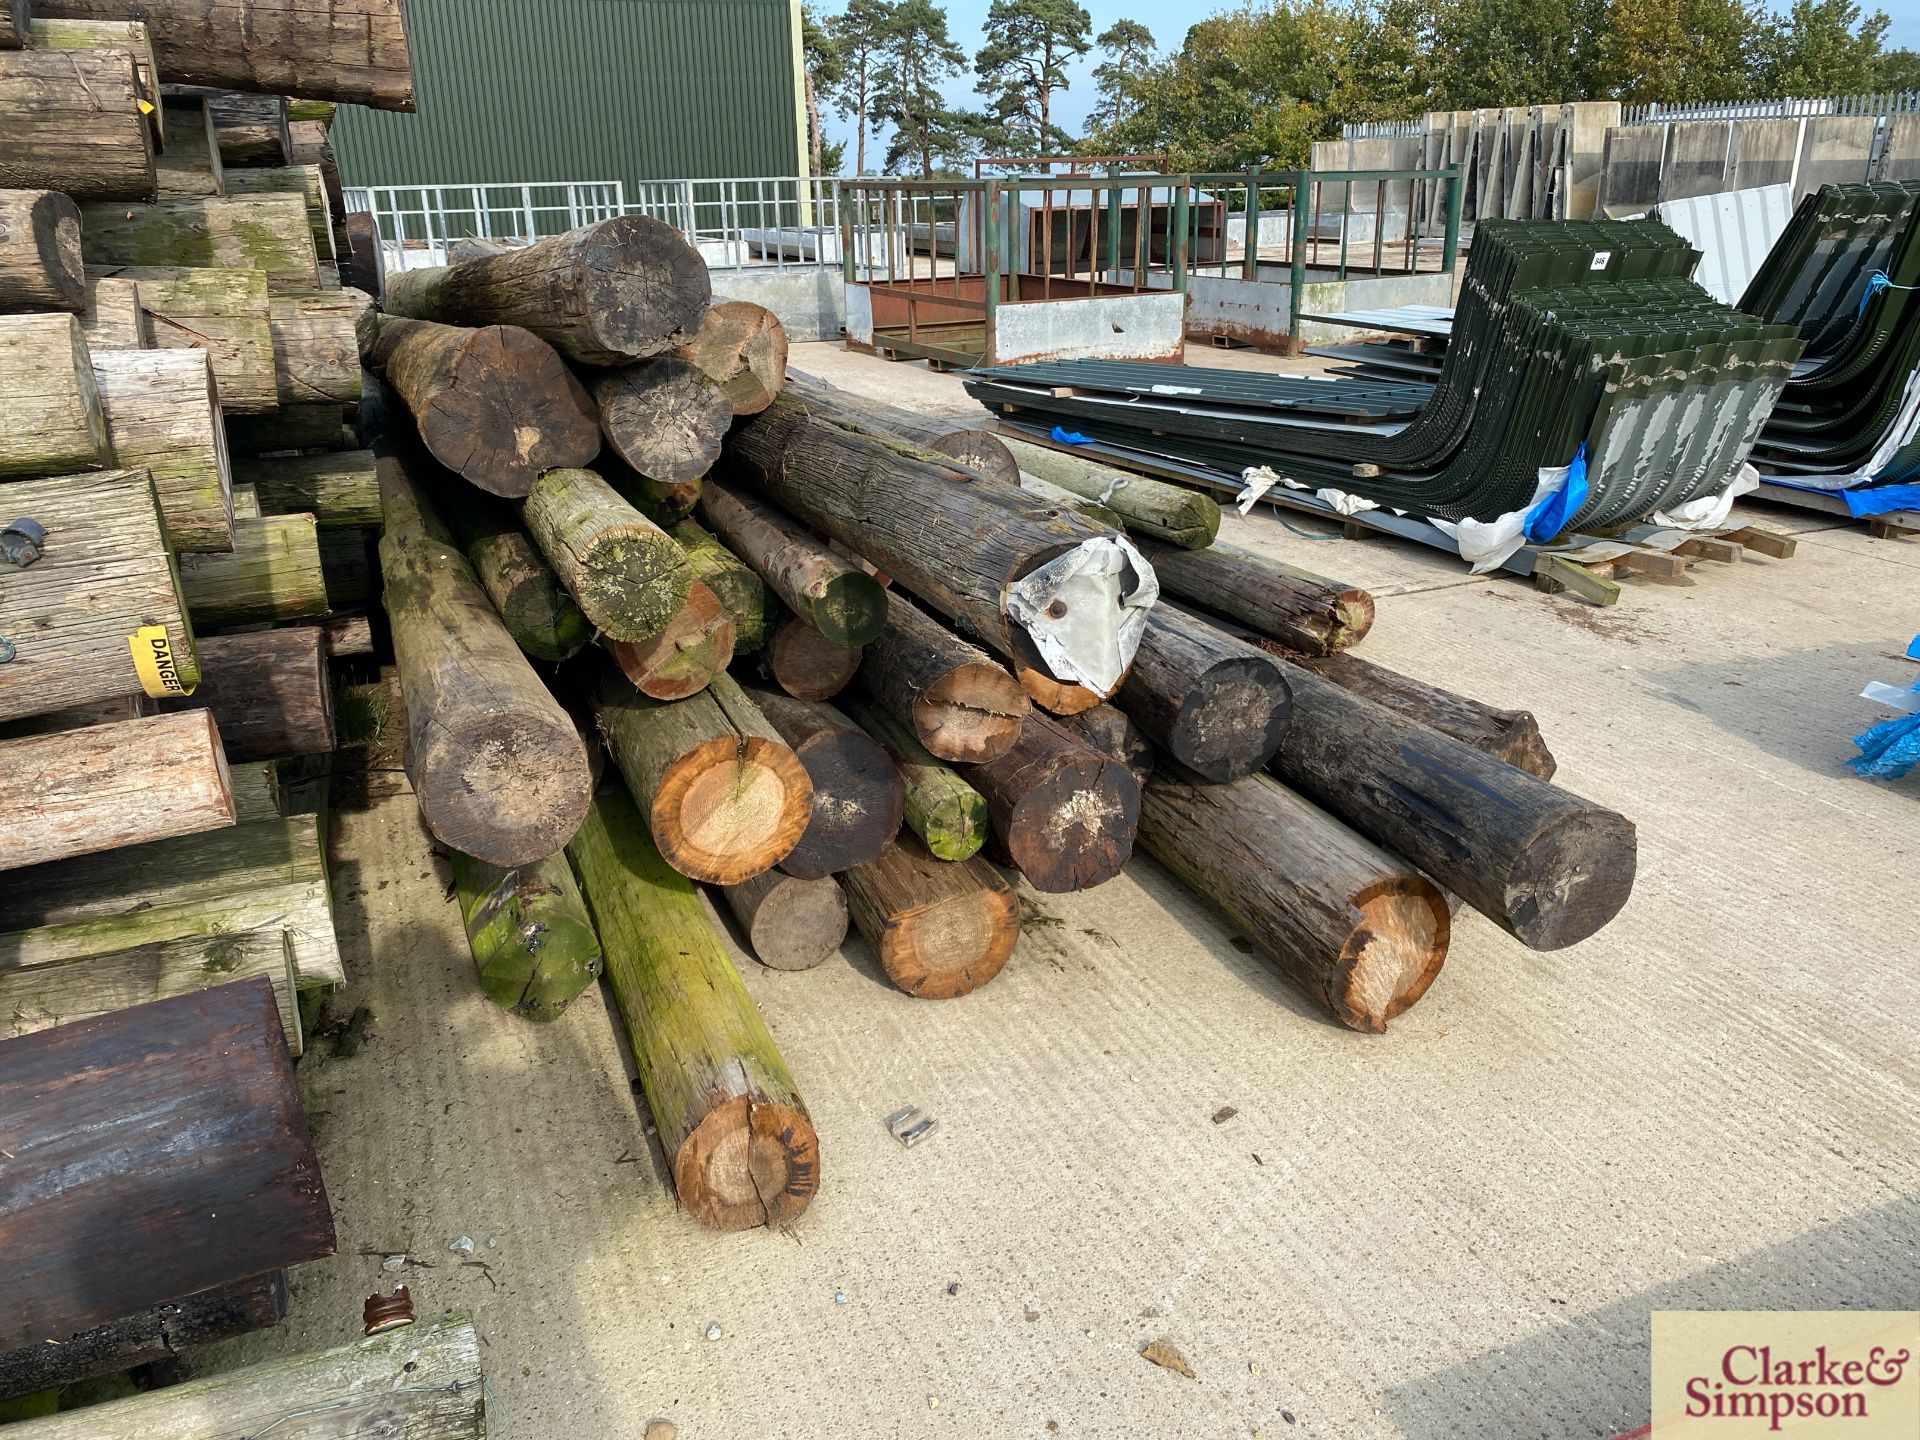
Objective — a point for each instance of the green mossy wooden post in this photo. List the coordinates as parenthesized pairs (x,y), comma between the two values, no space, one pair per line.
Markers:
(624,572)
(947,813)
(734,585)
(839,599)
(535,607)
(1171,514)
(527,925)
(724,1104)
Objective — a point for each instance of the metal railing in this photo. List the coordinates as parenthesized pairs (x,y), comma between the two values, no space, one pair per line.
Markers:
(1381,129)
(418,223)
(783,221)
(1892,102)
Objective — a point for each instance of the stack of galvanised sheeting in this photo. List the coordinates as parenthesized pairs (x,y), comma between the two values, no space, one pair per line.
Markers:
(1578,339)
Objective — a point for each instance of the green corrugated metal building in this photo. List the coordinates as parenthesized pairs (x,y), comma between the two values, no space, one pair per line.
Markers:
(585,90)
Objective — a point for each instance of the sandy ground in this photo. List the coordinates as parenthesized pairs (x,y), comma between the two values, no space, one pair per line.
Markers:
(1457,1229)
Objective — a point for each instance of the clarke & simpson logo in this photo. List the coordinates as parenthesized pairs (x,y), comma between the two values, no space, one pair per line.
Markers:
(1803,1374)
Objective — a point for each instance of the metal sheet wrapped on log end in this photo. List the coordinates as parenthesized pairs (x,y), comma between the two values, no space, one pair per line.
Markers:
(1357,928)
(940,928)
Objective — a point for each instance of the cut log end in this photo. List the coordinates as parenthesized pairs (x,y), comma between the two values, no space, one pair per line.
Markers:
(953,946)
(730,808)
(806,664)
(666,418)
(743,348)
(972,714)
(1062,832)
(511,409)
(643,288)
(1231,723)
(858,802)
(508,788)
(852,608)
(1572,880)
(749,1162)
(1394,954)
(1056,697)
(683,658)
(791,924)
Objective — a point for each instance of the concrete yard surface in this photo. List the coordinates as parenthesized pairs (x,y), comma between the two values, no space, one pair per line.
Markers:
(1456,1229)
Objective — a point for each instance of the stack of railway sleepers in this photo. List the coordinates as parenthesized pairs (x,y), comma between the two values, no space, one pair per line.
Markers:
(183,568)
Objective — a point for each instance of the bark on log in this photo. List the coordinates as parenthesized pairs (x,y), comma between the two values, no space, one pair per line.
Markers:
(976,448)
(725,796)
(112,317)
(1054,495)
(807,665)
(732,582)
(422,1381)
(535,607)
(75,639)
(724,1104)
(75,717)
(626,574)
(224,312)
(267,875)
(955,539)
(288,429)
(39,997)
(156,1333)
(960,704)
(1358,929)
(840,600)
(267,233)
(1216,704)
(245,1197)
(683,658)
(70,120)
(40,265)
(341,488)
(355,54)
(608,293)
(1061,812)
(54,420)
(495,405)
(269,691)
(858,797)
(1109,730)
(947,813)
(940,929)
(1545,865)
(316,352)
(1509,735)
(162,409)
(496,763)
(347,635)
(666,419)
(272,573)
(528,929)
(742,348)
(1148,509)
(790,923)
(189,167)
(1294,606)
(83,791)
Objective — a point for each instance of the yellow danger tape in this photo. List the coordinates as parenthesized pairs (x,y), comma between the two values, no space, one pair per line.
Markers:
(153,662)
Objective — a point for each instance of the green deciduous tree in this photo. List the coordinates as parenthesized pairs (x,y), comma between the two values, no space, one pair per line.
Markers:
(1821,47)
(1517,52)
(1024,64)
(1679,49)
(1899,70)
(1127,54)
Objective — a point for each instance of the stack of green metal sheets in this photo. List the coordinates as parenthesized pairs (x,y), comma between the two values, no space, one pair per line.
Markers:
(1571,339)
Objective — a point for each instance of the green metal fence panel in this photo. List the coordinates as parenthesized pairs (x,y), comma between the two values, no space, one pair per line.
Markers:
(630,90)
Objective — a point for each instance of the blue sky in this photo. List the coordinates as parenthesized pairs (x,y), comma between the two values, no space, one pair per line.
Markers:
(1168,20)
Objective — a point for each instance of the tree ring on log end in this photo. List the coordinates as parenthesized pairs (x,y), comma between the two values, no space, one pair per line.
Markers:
(953,946)
(1063,833)
(750,1161)
(634,582)
(791,927)
(852,609)
(508,790)
(480,424)
(1393,955)
(1572,879)
(973,713)
(1232,722)
(730,808)
(644,288)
